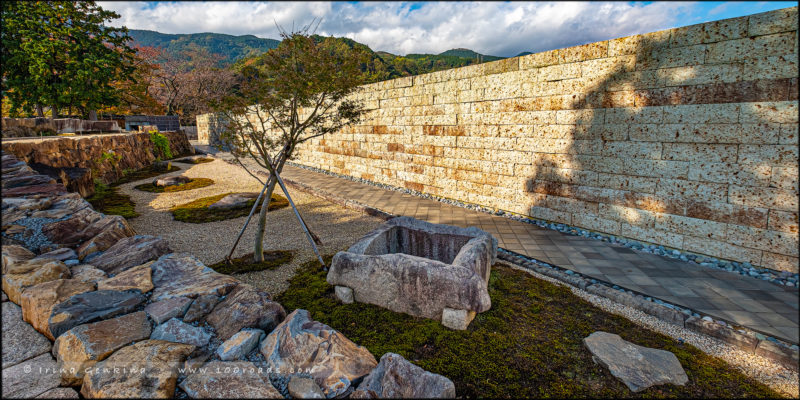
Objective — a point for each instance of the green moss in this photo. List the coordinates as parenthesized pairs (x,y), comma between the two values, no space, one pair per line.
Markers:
(144,173)
(196,160)
(272,260)
(193,184)
(529,344)
(197,212)
(108,200)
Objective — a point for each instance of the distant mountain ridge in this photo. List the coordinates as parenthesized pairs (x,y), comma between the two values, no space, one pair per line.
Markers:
(233,48)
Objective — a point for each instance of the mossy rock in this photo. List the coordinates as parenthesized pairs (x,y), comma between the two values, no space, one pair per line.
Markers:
(199,160)
(192,184)
(143,173)
(197,211)
(107,200)
(272,260)
(529,344)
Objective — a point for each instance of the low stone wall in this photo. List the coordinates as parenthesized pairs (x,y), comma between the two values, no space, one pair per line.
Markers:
(85,158)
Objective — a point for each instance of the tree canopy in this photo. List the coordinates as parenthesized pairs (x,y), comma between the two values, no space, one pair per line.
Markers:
(61,54)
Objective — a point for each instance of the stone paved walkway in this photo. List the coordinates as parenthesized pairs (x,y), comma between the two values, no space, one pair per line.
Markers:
(761,306)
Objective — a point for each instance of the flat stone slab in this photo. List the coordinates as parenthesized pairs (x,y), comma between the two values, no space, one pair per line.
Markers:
(20,340)
(180,332)
(396,377)
(164,310)
(30,378)
(637,367)
(38,301)
(92,306)
(134,278)
(59,393)
(234,200)
(229,380)
(183,275)
(87,273)
(61,254)
(22,276)
(84,345)
(200,307)
(240,344)
(130,252)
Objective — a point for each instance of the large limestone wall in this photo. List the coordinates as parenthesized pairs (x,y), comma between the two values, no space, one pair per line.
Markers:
(685,137)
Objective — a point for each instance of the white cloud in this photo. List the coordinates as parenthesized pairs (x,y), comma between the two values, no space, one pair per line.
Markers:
(497,28)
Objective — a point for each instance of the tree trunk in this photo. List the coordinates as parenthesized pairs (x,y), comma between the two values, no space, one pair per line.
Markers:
(53,112)
(258,249)
(39,111)
(92,115)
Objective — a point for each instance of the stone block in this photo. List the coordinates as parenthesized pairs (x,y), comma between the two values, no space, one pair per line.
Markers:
(20,341)
(39,300)
(162,311)
(770,22)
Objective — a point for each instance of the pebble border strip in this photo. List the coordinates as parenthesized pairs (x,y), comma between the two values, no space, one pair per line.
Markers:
(767,274)
(745,339)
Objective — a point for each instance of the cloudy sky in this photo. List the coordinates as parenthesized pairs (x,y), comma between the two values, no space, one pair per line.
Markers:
(495,28)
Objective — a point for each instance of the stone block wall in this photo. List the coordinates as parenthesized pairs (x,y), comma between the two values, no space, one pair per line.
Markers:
(686,137)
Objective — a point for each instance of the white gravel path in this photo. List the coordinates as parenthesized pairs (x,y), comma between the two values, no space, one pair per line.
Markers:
(337,226)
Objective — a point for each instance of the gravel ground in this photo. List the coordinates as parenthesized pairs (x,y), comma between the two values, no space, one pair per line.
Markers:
(337,226)
(772,374)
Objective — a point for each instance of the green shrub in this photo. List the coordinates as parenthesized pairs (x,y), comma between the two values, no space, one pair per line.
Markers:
(161,149)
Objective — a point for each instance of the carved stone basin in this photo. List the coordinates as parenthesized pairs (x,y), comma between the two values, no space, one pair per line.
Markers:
(415,267)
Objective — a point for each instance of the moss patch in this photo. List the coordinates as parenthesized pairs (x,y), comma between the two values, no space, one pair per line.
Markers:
(528,345)
(195,160)
(193,184)
(107,200)
(272,260)
(143,173)
(197,211)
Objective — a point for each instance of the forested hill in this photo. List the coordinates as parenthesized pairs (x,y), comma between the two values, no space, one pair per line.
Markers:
(231,47)
(240,50)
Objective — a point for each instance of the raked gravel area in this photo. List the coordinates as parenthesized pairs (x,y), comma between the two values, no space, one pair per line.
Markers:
(771,374)
(337,227)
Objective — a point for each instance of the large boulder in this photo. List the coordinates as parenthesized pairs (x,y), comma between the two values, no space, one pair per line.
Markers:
(92,306)
(245,307)
(130,252)
(84,345)
(180,332)
(30,378)
(61,254)
(636,366)
(396,377)
(134,278)
(162,311)
(229,380)
(27,180)
(171,181)
(74,230)
(22,276)
(46,189)
(183,275)
(39,300)
(302,344)
(20,340)
(62,206)
(152,371)
(240,344)
(14,254)
(300,387)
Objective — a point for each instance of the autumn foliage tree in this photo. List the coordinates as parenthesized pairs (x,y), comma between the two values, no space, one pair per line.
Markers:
(298,91)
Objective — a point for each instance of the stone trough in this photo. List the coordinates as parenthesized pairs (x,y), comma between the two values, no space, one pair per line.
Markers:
(415,267)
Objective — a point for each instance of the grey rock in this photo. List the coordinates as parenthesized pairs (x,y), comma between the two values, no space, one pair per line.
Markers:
(171,181)
(179,332)
(20,340)
(61,254)
(234,200)
(162,311)
(240,344)
(130,252)
(300,343)
(87,273)
(245,307)
(92,306)
(183,275)
(418,268)
(304,388)
(637,367)
(200,307)
(162,165)
(30,378)
(396,377)
(229,380)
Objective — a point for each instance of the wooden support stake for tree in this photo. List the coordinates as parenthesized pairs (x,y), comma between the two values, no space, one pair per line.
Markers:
(309,235)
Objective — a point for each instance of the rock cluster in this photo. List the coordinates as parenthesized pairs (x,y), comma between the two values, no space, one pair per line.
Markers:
(127,315)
